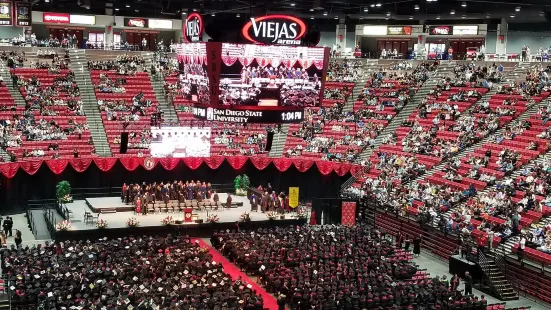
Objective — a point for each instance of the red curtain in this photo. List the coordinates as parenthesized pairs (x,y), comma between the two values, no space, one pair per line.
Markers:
(193,162)
(57,165)
(131,163)
(261,163)
(303,165)
(348,213)
(340,169)
(9,169)
(80,164)
(237,162)
(324,167)
(214,161)
(282,164)
(169,163)
(31,167)
(105,163)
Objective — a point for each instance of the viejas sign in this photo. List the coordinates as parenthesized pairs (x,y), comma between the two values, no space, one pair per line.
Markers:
(274,29)
(440,30)
(135,22)
(193,28)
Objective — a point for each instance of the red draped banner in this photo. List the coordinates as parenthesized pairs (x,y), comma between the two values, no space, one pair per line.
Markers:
(348,213)
(57,166)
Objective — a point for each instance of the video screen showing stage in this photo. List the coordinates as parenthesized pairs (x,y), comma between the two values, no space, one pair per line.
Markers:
(180,142)
(283,77)
(193,78)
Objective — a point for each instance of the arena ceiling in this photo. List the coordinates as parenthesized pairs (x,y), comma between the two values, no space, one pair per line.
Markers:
(355,10)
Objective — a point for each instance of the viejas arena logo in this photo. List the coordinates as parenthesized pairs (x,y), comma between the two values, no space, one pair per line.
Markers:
(136,22)
(193,28)
(274,29)
(441,30)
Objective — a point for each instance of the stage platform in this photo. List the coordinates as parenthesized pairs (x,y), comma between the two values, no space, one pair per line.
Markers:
(151,223)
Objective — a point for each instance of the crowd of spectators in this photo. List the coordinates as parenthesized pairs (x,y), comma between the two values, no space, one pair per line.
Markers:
(170,272)
(345,71)
(337,267)
(123,64)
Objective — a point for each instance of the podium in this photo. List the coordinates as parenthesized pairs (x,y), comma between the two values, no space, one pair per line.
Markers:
(188,215)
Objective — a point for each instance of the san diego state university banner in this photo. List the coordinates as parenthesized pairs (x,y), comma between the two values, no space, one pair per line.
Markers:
(348,213)
(6,13)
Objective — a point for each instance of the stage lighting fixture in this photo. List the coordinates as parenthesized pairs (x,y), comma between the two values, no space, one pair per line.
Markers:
(464,4)
(452,12)
(517,8)
(417,7)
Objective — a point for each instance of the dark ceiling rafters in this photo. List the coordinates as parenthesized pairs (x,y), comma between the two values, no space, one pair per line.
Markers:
(400,10)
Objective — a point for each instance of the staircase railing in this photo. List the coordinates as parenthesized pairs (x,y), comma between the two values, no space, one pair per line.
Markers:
(484,263)
(501,263)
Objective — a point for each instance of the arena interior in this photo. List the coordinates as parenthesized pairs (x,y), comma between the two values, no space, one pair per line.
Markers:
(397,158)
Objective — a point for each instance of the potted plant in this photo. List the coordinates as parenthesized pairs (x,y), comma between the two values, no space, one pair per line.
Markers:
(101,224)
(300,213)
(212,218)
(245,182)
(63,192)
(167,220)
(132,222)
(245,217)
(237,183)
(64,225)
(272,215)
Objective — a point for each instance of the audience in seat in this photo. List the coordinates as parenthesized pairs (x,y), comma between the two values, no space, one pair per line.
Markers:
(52,123)
(304,267)
(240,139)
(170,272)
(127,103)
(345,71)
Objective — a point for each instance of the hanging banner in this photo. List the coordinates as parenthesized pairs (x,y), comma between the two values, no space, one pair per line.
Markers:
(293,197)
(348,213)
(6,13)
(23,15)
(214,66)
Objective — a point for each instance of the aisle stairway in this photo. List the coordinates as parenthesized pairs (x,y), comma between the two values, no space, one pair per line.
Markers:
(79,67)
(402,115)
(493,267)
(14,92)
(279,141)
(169,112)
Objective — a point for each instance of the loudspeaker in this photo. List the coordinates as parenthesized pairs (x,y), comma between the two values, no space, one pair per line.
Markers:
(269,142)
(124,143)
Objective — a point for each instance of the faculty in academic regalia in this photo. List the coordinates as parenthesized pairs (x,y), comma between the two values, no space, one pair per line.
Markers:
(254,204)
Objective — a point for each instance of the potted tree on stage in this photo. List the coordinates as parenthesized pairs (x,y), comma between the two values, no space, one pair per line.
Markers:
(63,192)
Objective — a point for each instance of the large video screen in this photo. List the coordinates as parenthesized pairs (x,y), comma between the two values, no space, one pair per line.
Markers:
(193,78)
(271,76)
(180,142)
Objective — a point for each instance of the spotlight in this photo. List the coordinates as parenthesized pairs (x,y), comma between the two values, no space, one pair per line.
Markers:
(373,5)
(512,15)
(292,4)
(487,15)
(387,13)
(238,15)
(411,17)
(336,17)
(117,9)
(311,17)
(378,5)
(417,7)
(464,4)
(136,11)
(324,13)
(212,14)
(366,9)
(128,5)
(438,17)
(311,10)
(463,16)
(517,8)
(452,12)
